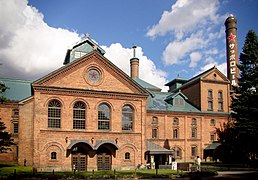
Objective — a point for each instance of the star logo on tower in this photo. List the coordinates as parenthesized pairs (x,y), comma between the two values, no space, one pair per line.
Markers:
(231,37)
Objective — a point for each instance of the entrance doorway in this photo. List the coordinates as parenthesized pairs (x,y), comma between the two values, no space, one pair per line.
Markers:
(79,162)
(79,159)
(104,159)
(104,162)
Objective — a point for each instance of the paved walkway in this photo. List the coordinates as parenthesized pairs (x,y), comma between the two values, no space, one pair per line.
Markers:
(237,175)
(253,175)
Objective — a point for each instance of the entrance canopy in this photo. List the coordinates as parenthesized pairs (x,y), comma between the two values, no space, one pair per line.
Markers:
(212,151)
(102,142)
(73,142)
(157,149)
(213,146)
(98,144)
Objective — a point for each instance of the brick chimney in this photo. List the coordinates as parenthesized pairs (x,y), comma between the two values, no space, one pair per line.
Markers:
(232,50)
(134,62)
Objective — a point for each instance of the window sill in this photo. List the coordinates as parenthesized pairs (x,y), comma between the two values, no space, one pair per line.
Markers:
(127,131)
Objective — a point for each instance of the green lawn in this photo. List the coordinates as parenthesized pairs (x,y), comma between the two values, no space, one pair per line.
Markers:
(11,171)
(9,168)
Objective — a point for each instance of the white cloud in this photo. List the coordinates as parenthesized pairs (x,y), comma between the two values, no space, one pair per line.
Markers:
(148,72)
(176,50)
(196,28)
(185,16)
(195,57)
(212,51)
(119,55)
(221,67)
(29,47)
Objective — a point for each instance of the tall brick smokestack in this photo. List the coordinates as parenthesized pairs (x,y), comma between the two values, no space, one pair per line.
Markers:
(134,62)
(232,50)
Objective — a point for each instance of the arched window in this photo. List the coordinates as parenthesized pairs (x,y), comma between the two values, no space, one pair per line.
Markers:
(104,117)
(194,122)
(194,133)
(79,116)
(154,133)
(53,155)
(127,156)
(15,113)
(127,118)
(54,114)
(178,153)
(212,136)
(154,120)
(175,133)
(193,151)
(175,121)
(212,122)
(15,127)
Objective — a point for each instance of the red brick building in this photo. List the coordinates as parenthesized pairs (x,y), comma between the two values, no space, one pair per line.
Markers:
(89,114)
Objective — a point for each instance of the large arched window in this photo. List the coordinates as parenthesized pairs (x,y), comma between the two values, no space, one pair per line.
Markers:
(54,114)
(127,118)
(79,115)
(104,117)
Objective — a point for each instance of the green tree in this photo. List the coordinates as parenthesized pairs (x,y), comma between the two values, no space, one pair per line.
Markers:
(2,89)
(5,139)
(245,102)
(229,149)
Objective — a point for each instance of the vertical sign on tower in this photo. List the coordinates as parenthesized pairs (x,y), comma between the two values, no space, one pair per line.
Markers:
(232,50)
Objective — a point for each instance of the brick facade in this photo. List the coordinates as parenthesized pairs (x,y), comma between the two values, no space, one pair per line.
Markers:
(47,148)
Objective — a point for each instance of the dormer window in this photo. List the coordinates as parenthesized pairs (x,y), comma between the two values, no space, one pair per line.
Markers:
(78,54)
(179,101)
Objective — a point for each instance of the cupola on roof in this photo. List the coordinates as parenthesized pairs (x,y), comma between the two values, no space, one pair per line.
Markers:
(82,48)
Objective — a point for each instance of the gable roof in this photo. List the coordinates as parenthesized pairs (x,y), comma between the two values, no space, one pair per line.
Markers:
(17,89)
(200,76)
(173,95)
(59,72)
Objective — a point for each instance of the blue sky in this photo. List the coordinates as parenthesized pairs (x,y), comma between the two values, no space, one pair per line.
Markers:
(174,38)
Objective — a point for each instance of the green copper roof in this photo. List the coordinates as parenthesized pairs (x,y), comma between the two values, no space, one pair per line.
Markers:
(146,85)
(197,77)
(163,101)
(176,80)
(82,48)
(17,89)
